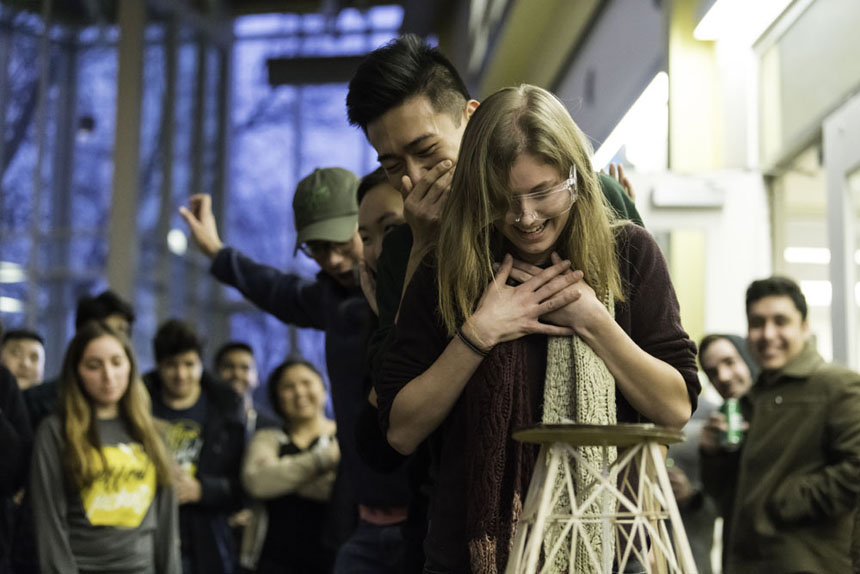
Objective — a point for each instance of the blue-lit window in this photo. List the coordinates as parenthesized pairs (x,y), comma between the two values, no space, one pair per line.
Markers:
(280,135)
(54,240)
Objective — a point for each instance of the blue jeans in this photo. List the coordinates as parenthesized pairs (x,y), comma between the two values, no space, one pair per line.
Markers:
(371,549)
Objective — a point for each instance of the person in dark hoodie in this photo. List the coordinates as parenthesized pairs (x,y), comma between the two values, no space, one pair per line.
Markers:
(326,220)
(16,441)
(206,436)
(726,361)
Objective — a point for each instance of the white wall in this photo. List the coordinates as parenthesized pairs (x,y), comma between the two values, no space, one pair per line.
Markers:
(736,236)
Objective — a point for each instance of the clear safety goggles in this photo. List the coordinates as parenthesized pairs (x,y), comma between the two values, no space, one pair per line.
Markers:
(543,205)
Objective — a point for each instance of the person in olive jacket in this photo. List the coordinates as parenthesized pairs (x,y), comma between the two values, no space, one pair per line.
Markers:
(797,473)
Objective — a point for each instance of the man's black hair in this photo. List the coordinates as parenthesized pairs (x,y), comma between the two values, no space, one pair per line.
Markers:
(777,286)
(173,338)
(22,334)
(405,67)
(371,180)
(101,307)
(229,347)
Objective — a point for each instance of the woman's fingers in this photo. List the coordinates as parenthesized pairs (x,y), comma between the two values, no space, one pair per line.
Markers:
(519,275)
(556,258)
(546,275)
(558,300)
(528,267)
(558,285)
(548,329)
(504,270)
(520,271)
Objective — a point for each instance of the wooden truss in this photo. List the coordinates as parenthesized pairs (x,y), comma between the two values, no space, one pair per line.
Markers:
(628,501)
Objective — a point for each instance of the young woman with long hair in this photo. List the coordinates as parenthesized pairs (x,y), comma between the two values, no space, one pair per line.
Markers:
(538,306)
(100,475)
(292,470)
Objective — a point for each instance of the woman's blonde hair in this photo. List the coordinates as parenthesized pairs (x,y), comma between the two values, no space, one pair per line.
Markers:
(514,121)
(78,413)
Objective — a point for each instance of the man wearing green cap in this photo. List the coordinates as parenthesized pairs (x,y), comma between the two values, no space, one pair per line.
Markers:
(325,209)
(326,214)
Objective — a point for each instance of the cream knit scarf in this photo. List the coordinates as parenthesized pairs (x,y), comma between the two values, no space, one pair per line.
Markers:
(578,387)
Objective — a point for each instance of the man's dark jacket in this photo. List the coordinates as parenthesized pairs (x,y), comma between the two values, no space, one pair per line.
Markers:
(212,546)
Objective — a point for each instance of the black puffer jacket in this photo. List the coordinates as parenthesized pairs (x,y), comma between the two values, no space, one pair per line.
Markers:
(16,442)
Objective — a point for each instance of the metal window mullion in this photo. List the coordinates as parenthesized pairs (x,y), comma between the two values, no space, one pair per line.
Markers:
(221,185)
(192,295)
(5,50)
(841,135)
(298,125)
(61,199)
(41,128)
(168,135)
(123,250)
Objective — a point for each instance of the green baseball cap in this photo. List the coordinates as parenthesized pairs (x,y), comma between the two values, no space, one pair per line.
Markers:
(325,206)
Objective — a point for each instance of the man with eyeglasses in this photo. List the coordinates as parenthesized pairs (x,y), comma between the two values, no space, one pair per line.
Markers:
(325,209)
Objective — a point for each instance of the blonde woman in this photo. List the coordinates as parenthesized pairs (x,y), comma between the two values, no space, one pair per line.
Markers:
(536,303)
(100,475)
(292,470)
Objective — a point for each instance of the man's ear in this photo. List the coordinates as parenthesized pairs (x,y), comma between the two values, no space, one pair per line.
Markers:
(807,332)
(471,106)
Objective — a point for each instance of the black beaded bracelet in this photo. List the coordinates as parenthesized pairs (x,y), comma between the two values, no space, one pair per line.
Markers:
(475,348)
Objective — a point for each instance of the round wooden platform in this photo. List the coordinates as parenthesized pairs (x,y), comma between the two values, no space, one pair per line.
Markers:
(598,435)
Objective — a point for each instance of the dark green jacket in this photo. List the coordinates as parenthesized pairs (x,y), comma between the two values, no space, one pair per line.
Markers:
(797,475)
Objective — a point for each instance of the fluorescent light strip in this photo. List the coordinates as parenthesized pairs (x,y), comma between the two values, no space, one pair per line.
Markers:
(10,305)
(820,293)
(812,255)
(12,272)
(739,20)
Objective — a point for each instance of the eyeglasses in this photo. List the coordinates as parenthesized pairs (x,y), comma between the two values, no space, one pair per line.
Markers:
(543,205)
(321,249)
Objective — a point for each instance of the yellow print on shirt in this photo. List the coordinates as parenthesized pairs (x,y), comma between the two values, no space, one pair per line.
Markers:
(185,441)
(121,495)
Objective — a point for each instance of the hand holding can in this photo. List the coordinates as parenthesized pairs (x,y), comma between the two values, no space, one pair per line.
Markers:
(731,438)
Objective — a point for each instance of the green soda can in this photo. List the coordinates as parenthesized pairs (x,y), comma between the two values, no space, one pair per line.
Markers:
(733,435)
